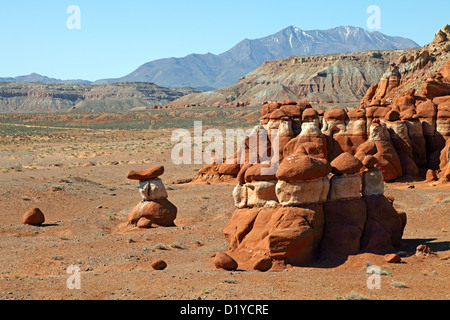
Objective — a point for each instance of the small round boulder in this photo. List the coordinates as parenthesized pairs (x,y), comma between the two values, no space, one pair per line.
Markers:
(224,261)
(33,217)
(159,264)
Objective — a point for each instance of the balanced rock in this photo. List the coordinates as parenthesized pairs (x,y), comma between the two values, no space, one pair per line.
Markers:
(155,208)
(152,189)
(160,212)
(345,163)
(33,217)
(146,174)
(302,167)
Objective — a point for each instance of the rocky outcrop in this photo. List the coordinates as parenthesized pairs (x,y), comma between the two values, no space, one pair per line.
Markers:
(155,208)
(326,197)
(318,209)
(314,206)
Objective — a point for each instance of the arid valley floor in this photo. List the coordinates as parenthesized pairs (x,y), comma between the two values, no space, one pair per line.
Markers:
(73,167)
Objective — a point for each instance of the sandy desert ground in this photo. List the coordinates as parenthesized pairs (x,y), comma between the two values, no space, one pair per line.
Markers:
(79,182)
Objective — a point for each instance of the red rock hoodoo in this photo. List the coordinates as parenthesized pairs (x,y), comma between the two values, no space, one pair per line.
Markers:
(326,196)
(155,208)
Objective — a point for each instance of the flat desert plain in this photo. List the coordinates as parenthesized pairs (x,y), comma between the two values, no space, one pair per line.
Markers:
(73,167)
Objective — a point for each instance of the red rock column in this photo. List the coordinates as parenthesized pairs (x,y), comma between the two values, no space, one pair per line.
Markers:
(155,208)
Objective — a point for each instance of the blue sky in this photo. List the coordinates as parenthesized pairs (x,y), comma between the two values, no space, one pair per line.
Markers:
(118,36)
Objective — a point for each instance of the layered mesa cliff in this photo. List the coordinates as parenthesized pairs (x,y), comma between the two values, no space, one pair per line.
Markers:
(325,197)
(26,97)
(317,78)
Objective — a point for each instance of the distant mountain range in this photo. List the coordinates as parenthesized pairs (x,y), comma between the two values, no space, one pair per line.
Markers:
(34,77)
(210,71)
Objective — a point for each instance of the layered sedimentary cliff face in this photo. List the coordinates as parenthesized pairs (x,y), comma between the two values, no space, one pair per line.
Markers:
(29,97)
(318,78)
(326,195)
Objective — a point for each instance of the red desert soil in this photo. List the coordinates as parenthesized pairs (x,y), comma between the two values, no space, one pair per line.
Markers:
(86,196)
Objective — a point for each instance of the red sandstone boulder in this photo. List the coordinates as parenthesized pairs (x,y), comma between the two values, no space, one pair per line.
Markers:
(408,114)
(260,172)
(278,115)
(33,217)
(311,141)
(265,110)
(301,167)
(443,100)
(224,261)
(431,175)
(335,115)
(380,146)
(392,115)
(427,109)
(144,223)
(241,174)
(290,234)
(309,114)
(435,87)
(405,100)
(288,102)
(345,163)
(369,95)
(159,264)
(356,114)
(292,111)
(229,169)
(263,264)
(376,113)
(160,212)
(392,258)
(146,174)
